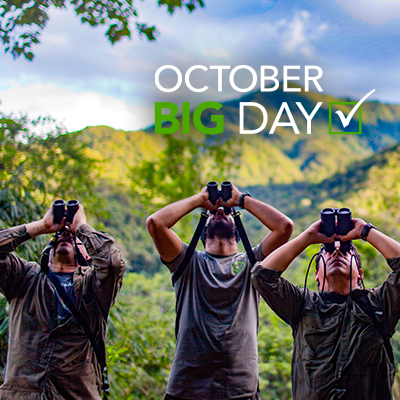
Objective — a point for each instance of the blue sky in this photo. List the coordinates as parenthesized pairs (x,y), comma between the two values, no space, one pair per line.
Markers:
(80,79)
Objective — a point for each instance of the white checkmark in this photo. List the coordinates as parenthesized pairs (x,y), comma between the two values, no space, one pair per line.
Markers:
(346,121)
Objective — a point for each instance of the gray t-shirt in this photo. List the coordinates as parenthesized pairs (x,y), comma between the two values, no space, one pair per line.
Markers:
(216,328)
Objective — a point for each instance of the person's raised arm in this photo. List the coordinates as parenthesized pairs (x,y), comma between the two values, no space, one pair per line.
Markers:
(282,257)
(159,224)
(387,246)
(32,229)
(280,225)
(108,263)
(44,226)
(12,268)
(282,296)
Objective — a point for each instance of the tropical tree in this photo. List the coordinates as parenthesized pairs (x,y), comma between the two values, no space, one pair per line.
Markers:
(22,21)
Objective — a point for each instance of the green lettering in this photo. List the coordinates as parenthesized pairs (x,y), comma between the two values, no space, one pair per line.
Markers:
(186,117)
(218,119)
(160,117)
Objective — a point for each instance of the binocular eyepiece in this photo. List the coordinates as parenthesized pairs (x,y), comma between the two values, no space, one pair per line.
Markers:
(334,220)
(62,209)
(214,193)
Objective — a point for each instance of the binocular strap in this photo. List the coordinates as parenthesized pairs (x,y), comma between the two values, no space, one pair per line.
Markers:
(245,239)
(193,243)
(192,246)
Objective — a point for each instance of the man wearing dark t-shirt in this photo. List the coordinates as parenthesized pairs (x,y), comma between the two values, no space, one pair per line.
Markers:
(341,332)
(216,305)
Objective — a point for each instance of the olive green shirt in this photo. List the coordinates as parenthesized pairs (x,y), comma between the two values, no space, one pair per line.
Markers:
(338,352)
(46,359)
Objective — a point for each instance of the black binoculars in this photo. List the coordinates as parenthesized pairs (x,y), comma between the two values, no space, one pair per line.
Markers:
(62,209)
(334,220)
(214,193)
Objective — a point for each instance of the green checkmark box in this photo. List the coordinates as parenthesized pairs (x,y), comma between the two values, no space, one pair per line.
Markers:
(338,122)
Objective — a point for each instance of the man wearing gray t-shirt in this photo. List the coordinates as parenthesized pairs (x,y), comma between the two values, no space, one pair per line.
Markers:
(216,304)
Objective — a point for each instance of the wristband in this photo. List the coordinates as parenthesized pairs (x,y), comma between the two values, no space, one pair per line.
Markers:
(365,231)
(241,199)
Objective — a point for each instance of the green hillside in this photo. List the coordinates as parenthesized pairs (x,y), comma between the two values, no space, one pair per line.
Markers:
(298,174)
(370,187)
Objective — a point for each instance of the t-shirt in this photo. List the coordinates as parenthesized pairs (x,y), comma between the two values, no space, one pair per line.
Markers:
(66,281)
(216,328)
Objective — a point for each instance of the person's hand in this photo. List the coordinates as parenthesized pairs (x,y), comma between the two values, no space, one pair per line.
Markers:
(355,233)
(79,219)
(205,202)
(48,225)
(233,201)
(315,236)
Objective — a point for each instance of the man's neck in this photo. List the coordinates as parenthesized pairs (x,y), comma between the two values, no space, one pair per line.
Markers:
(339,286)
(62,268)
(58,265)
(221,247)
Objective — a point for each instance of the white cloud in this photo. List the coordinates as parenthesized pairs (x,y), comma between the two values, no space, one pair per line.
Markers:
(74,110)
(302,33)
(375,12)
(215,52)
(297,36)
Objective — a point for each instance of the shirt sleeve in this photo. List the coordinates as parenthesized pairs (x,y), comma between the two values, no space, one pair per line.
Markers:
(174,264)
(389,295)
(12,268)
(258,253)
(108,263)
(284,298)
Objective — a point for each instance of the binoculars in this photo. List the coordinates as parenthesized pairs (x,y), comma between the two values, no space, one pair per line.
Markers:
(214,194)
(337,221)
(62,209)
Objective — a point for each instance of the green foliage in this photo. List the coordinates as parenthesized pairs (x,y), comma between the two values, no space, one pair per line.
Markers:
(275,346)
(21,22)
(123,222)
(141,338)
(181,170)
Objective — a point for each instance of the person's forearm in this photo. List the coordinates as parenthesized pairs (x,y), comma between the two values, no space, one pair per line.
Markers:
(269,216)
(11,238)
(387,246)
(282,257)
(36,228)
(172,213)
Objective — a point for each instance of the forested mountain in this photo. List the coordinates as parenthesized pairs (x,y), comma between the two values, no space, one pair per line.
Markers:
(298,173)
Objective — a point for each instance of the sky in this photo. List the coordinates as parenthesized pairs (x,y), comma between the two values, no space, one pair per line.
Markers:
(78,78)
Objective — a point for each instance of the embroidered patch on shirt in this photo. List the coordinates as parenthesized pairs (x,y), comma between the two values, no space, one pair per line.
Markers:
(238,266)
